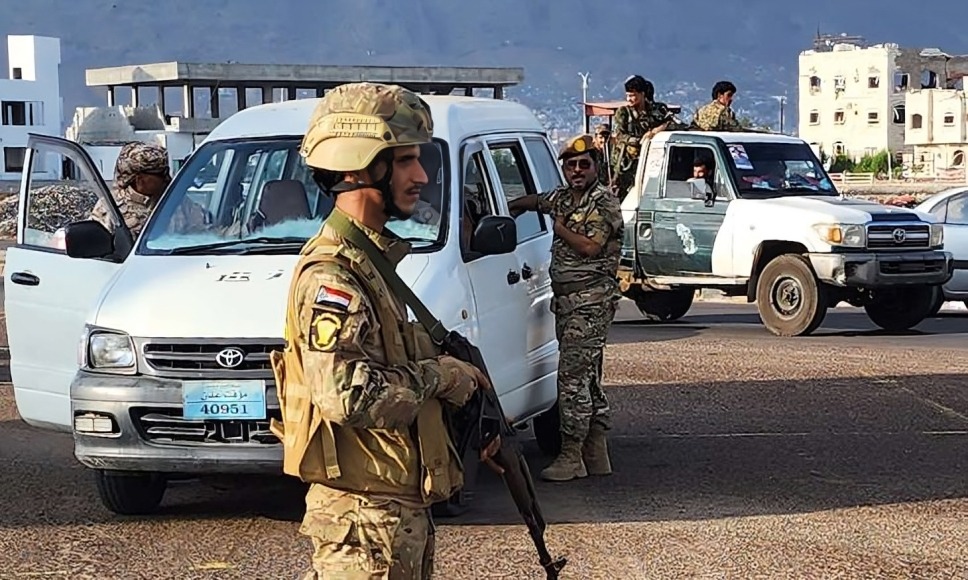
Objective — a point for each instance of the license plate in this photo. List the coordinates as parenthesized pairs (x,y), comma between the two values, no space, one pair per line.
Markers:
(228,400)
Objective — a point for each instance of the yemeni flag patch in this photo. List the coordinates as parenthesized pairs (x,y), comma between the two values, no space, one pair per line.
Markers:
(329,296)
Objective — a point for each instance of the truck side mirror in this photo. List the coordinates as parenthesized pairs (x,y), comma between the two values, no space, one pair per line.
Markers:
(88,239)
(495,235)
(701,190)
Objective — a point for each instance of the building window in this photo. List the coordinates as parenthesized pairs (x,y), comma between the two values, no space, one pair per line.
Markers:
(873,82)
(916,121)
(900,81)
(18,73)
(839,148)
(13,159)
(873,118)
(838,118)
(949,119)
(814,117)
(839,83)
(814,84)
(958,159)
(899,114)
(22,113)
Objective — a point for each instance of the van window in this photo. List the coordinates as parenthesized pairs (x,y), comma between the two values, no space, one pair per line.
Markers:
(777,168)
(515,180)
(242,190)
(545,167)
(687,162)
(477,199)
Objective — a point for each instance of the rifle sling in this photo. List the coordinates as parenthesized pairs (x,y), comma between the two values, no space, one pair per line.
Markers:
(355,235)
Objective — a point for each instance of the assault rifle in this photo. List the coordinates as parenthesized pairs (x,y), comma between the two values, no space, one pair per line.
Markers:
(481,419)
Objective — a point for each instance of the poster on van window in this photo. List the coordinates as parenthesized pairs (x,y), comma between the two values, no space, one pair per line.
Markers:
(740,158)
(653,163)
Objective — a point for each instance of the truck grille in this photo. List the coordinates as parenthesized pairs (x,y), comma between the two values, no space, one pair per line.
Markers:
(899,236)
(201,358)
(165,426)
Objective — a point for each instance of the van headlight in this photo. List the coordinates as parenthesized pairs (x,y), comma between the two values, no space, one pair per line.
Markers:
(109,351)
(846,235)
(937,235)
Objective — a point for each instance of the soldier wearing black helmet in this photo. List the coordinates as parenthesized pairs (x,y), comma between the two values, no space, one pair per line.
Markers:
(642,118)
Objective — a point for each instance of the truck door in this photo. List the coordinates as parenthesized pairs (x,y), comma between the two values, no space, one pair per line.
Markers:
(686,229)
(48,294)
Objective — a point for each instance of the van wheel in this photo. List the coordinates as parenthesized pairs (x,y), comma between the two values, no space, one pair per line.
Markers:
(130,493)
(790,299)
(663,305)
(897,309)
(547,431)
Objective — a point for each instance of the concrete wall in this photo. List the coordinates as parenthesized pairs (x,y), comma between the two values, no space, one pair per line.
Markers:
(32,103)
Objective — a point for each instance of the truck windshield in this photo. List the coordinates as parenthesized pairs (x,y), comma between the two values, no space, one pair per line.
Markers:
(258,196)
(778,169)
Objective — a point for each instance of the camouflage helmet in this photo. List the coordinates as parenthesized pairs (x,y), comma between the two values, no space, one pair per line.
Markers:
(355,121)
(578,145)
(139,157)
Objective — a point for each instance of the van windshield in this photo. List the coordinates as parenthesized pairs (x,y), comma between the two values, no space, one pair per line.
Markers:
(771,169)
(257,196)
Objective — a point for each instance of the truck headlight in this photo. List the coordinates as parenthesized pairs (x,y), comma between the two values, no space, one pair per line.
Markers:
(847,235)
(937,235)
(110,350)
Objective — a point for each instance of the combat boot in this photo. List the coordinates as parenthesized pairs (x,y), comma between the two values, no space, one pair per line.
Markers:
(568,465)
(594,451)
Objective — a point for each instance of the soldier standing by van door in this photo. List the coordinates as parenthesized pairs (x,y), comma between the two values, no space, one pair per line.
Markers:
(362,390)
(141,175)
(585,252)
(642,118)
(717,115)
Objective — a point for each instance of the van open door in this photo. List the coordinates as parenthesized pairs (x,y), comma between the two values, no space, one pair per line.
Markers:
(48,294)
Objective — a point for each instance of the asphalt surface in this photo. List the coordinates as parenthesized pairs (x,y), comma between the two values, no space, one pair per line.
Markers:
(736,454)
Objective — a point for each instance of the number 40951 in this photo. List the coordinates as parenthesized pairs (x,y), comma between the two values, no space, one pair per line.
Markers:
(224,409)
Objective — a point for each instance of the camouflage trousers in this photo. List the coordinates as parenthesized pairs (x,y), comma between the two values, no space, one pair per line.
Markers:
(582,320)
(624,182)
(356,537)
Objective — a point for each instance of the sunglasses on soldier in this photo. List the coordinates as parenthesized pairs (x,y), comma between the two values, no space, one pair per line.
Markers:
(580,163)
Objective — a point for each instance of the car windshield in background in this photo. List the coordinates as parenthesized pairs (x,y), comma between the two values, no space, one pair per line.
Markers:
(259,196)
(778,169)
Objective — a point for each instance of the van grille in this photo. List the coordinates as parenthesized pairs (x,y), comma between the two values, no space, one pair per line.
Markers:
(200,358)
(899,236)
(167,426)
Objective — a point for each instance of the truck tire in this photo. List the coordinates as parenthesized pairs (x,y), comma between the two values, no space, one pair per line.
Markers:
(663,305)
(790,299)
(897,309)
(130,493)
(937,301)
(547,431)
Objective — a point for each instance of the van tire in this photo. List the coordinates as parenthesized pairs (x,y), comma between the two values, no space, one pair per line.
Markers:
(897,309)
(789,298)
(130,493)
(547,431)
(663,305)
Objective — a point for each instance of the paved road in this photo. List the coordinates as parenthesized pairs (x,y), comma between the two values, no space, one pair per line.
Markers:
(737,455)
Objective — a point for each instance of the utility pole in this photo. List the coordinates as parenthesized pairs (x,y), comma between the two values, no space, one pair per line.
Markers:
(584,98)
(781,100)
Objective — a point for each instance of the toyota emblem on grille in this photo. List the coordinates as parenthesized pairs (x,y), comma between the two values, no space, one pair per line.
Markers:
(230,357)
(899,235)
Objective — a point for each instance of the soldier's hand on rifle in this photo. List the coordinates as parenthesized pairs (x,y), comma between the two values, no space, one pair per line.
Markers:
(490,451)
(460,380)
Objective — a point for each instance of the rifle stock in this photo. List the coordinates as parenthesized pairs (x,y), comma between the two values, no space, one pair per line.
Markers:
(479,422)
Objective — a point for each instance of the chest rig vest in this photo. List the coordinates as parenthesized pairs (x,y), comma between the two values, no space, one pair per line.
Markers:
(419,463)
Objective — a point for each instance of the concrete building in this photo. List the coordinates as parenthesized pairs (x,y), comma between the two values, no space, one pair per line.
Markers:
(936,132)
(30,100)
(177,104)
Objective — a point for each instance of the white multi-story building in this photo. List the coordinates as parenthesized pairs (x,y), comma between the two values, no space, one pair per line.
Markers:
(937,132)
(30,100)
(851,99)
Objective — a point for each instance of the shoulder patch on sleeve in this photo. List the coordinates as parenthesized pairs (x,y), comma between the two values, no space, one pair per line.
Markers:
(324,330)
(333,297)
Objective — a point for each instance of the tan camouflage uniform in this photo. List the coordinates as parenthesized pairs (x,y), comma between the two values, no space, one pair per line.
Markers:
(363,391)
(134,158)
(585,299)
(629,125)
(716,116)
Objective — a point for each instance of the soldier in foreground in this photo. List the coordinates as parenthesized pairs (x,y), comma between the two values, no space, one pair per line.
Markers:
(642,118)
(141,175)
(717,115)
(588,238)
(363,391)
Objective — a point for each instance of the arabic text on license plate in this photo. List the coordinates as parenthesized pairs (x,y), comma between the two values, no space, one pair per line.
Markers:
(224,400)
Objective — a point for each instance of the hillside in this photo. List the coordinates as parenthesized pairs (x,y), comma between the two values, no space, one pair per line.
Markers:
(682,47)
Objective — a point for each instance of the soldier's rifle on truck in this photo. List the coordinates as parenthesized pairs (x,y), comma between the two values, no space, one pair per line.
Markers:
(481,420)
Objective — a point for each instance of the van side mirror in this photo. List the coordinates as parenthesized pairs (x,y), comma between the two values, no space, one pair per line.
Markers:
(495,234)
(701,190)
(88,239)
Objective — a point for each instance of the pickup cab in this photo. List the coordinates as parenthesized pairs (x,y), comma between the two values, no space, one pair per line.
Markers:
(154,351)
(756,215)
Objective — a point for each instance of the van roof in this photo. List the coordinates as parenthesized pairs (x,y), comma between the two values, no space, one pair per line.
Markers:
(453,115)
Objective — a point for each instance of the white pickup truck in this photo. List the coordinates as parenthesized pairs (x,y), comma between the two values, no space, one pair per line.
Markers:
(756,215)
(126,342)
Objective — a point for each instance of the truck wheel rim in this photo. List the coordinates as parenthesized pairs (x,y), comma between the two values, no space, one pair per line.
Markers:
(787,296)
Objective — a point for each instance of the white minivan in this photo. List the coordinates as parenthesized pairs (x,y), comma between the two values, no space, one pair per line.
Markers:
(144,348)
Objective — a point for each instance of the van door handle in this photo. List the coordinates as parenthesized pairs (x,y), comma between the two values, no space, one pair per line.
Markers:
(526,271)
(24,278)
(513,277)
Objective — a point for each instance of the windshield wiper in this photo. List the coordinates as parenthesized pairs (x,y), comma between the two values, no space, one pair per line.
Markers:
(285,242)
